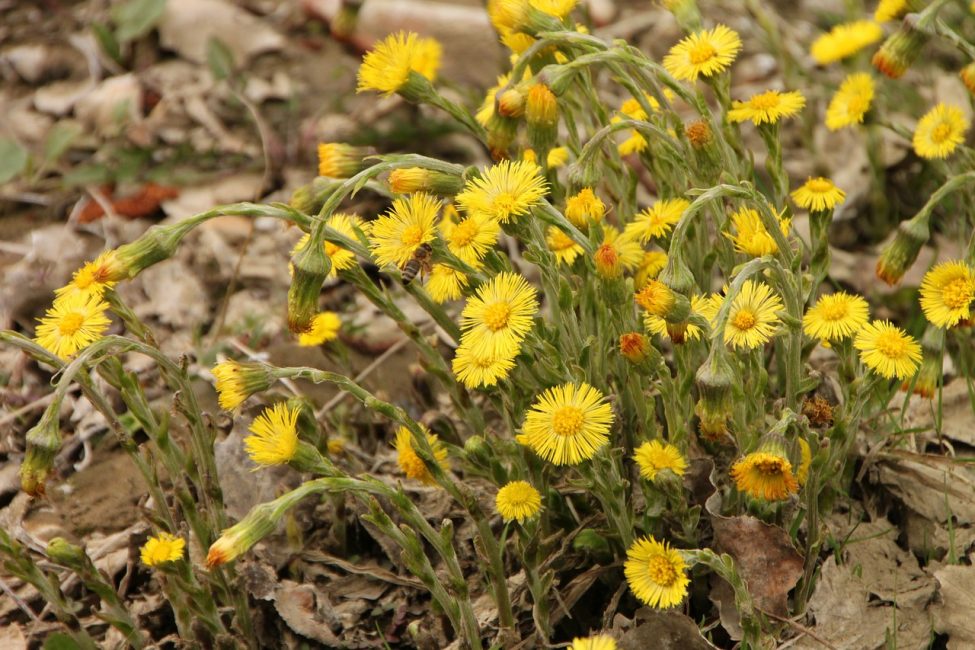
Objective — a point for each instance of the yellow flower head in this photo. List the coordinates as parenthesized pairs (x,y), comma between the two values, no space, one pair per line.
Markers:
(325,327)
(486,111)
(445,283)
(753,318)
(634,143)
(470,238)
(654,457)
(765,475)
(411,464)
(940,131)
(651,265)
(851,102)
(617,253)
(598,642)
(497,318)
(751,237)
(565,248)
(340,258)
(657,220)
(74,321)
(704,53)
(388,66)
(238,381)
(518,500)
(410,223)
(568,424)
(634,346)
(836,317)
(340,160)
(768,107)
(706,306)
(805,462)
(161,549)
(274,435)
(94,277)
(508,189)
(655,573)
(818,194)
(888,350)
(845,40)
(890,10)
(947,292)
(475,369)
(581,207)
(656,298)
(557,8)
(557,157)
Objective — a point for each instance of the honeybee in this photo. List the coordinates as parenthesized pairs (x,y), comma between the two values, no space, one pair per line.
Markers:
(419,264)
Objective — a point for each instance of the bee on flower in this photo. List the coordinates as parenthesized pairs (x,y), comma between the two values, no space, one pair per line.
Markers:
(411,222)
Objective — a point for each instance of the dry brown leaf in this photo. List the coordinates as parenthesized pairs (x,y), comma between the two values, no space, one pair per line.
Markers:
(187,25)
(933,487)
(307,612)
(660,630)
(953,613)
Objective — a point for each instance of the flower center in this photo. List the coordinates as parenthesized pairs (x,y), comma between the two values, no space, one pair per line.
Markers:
(857,105)
(504,204)
(606,256)
(941,133)
(819,186)
(661,571)
(957,293)
(412,235)
(891,345)
(567,421)
(412,464)
(764,101)
(70,323)
(331,249)
(769,466)
(701,53)
(496,316)
(464,233)
(834,311)
(744,320)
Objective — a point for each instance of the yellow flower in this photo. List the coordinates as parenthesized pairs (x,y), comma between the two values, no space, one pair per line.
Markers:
(768,107)
(274,435)
(656,298)
(654,457)
(486,111)
(940,131)
(568,424)
(541,107)
(655,573)
(557,8)
(890,10)
(161,549)
(851,102)
(411,464)
(818,194)
(94,277)
(751,237)
(632,108)
(617,253)
(476,369)
(704,53)
(325,327)
(888,350)
(635,143)
(74,321)
(341,258)
(508,189)
(583,206)
(470,238)
(805,462)
(702,305)
(634,346)
(557,157)
(947,291)
(657,220)
(398,234)
(388,66)
(238,381)
(651,265)
(836,317)
(565,248)
(765,475)
(497,318)
(598,642)
(445,283)
(845,40)
(753,318)
(340,160)
(518,500)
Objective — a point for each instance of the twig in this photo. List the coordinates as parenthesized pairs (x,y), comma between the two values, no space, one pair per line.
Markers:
(378,361)
(18,600)
(802,629)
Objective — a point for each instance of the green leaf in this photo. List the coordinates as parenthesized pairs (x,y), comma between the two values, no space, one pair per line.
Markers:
(107,41)
(13,159)
(87,175)
(136,18)
(59,140)
(60,641)
(220,59)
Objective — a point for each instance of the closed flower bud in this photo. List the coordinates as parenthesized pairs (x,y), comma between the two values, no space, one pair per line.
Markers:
(340,160)
(501,132)
(511,103)
(308,199)
(64,552)
(686,13)
(43,444)
(237,381)
(607,262)
(699,134)
(901,252)
(967,75)
(477,450)
(635,347)
(901,49)
(239,538)
(418,179)
(155,245)
(542,115)
(715,380)
(311,267)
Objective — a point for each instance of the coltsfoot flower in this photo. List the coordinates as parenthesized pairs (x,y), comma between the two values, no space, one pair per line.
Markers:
(851,102)
(565,249)
(388,66)
(476,369)
(445,283)
(340,160)
(161,549)
(753,318)
(703,54)
(655,457)
(656,573)
(74,321)
(751,237)
(701,305)
(835,317)
(845,40)
(818,194)
(617,253)
(568,424)
(411,463)
(888,350)
(410,223)
(237,381)
(94,277)
(652,263)
(518,500)
(940,132)
(598,642)
(506,190)
(470,238)
(341,258)
(657,220)
(584,206)
(324,328)
(499,316)
(274,435)
(765,475)
(634,346)
(947,292)
(768,107)
(656,298)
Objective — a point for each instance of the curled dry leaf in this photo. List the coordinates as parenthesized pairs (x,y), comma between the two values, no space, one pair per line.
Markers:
(952,613)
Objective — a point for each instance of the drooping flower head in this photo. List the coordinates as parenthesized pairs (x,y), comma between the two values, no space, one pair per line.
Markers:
(411,463)
(274,435)
(753,318)
(851,102)
(340,160)
(655,573)
(947,291)
(508,189)
(657,220)
(845,40)
(768,107)
(888,350)
(750,235)
(940,132)
(161,549)
(518,500)
(94,277)
(836,317)
(387,67)
(655,457)
(568,424)
(74,321)
(410,223)
(324,328)
(341,258)
(498,317)
(766,475)
(477,369)
(703,54)
(818,194)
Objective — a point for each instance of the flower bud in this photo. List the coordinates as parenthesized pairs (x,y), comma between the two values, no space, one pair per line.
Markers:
(64,552)
(511,103)
(967,75)
(607,261)
(340,160)
(419,179)
(635,347)
(901,49)
(686,13)
(308,199)
(477,450)
(238,381)
(43,444)
(542,115)
(715,380)
(239,538)
(932,361)
(501,132)
(158,243)
(901,252)
(311,268)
